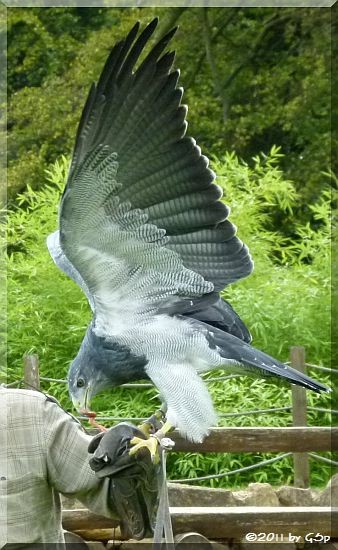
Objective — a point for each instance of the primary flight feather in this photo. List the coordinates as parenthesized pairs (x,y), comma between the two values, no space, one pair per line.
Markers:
(145,235)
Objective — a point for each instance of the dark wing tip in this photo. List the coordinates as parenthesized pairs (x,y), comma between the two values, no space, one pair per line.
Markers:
(168,36)
(133,31)
(150,28)
(154,22)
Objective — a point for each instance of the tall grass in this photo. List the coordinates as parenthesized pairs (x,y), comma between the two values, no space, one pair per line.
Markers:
(285,302)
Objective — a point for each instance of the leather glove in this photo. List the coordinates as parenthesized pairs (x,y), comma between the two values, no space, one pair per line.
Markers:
(133,479)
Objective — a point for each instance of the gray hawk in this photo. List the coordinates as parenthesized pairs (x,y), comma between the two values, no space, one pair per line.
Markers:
(144,233)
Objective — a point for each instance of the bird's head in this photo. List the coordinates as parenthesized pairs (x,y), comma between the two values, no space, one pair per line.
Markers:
(87,375)
(81,384)
(100,364)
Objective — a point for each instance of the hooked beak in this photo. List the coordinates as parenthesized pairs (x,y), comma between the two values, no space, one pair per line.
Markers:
(82,406)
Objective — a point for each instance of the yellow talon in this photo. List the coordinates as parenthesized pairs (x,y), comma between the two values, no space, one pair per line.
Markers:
(151,444)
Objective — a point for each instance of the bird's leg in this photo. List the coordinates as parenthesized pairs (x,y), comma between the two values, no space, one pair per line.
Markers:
(153,441)
(153,423)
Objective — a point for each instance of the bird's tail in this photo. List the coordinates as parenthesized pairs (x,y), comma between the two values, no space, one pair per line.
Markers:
(248,360)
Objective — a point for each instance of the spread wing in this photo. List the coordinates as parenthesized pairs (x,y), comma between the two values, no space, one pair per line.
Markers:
(61,260)
(141,222)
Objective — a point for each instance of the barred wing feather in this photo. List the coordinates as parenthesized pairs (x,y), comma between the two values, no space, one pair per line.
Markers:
(141,221)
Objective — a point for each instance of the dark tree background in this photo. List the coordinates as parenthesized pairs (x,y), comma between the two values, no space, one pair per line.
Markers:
(254,78)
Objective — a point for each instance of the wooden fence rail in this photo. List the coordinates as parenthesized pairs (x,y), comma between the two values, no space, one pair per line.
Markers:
(274,440)
(220,522)
(259,440)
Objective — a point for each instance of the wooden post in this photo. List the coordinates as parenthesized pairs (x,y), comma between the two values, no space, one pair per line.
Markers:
(299,412)
(31,371)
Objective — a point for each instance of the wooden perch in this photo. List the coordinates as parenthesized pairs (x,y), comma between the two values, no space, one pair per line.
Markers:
(259,440)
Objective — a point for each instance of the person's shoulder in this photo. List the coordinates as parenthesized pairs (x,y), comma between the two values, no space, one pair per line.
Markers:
(15,395)
(24,399)
(22,402)
(20,409)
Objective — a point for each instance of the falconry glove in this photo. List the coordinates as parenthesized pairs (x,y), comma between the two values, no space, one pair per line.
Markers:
(133,479)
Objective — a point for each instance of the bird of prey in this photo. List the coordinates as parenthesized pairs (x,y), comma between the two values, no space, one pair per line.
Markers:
(144,233)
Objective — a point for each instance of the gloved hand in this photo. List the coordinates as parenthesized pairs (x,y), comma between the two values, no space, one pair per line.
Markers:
(133,479)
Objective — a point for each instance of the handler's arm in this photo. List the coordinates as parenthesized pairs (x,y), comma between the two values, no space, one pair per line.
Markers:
(68,467)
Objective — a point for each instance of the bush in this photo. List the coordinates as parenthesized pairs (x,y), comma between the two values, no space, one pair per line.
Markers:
(269,82)
(285,302)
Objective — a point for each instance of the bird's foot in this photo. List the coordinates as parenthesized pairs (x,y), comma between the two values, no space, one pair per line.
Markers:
(152,443)
(152,424)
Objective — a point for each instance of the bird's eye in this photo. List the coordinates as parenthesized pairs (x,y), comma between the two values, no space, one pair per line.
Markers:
(80,382)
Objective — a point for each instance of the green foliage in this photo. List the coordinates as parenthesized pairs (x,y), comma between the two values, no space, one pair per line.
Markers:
(289,290)
(273,69)
(42,42)
(269,83)
(42,119)
(284,302)
(42,303)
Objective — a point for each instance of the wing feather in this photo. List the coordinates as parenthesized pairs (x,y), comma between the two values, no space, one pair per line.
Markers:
(61,260)
(141,213)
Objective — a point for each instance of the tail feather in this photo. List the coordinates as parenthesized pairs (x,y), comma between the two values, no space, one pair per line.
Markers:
(249,360)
